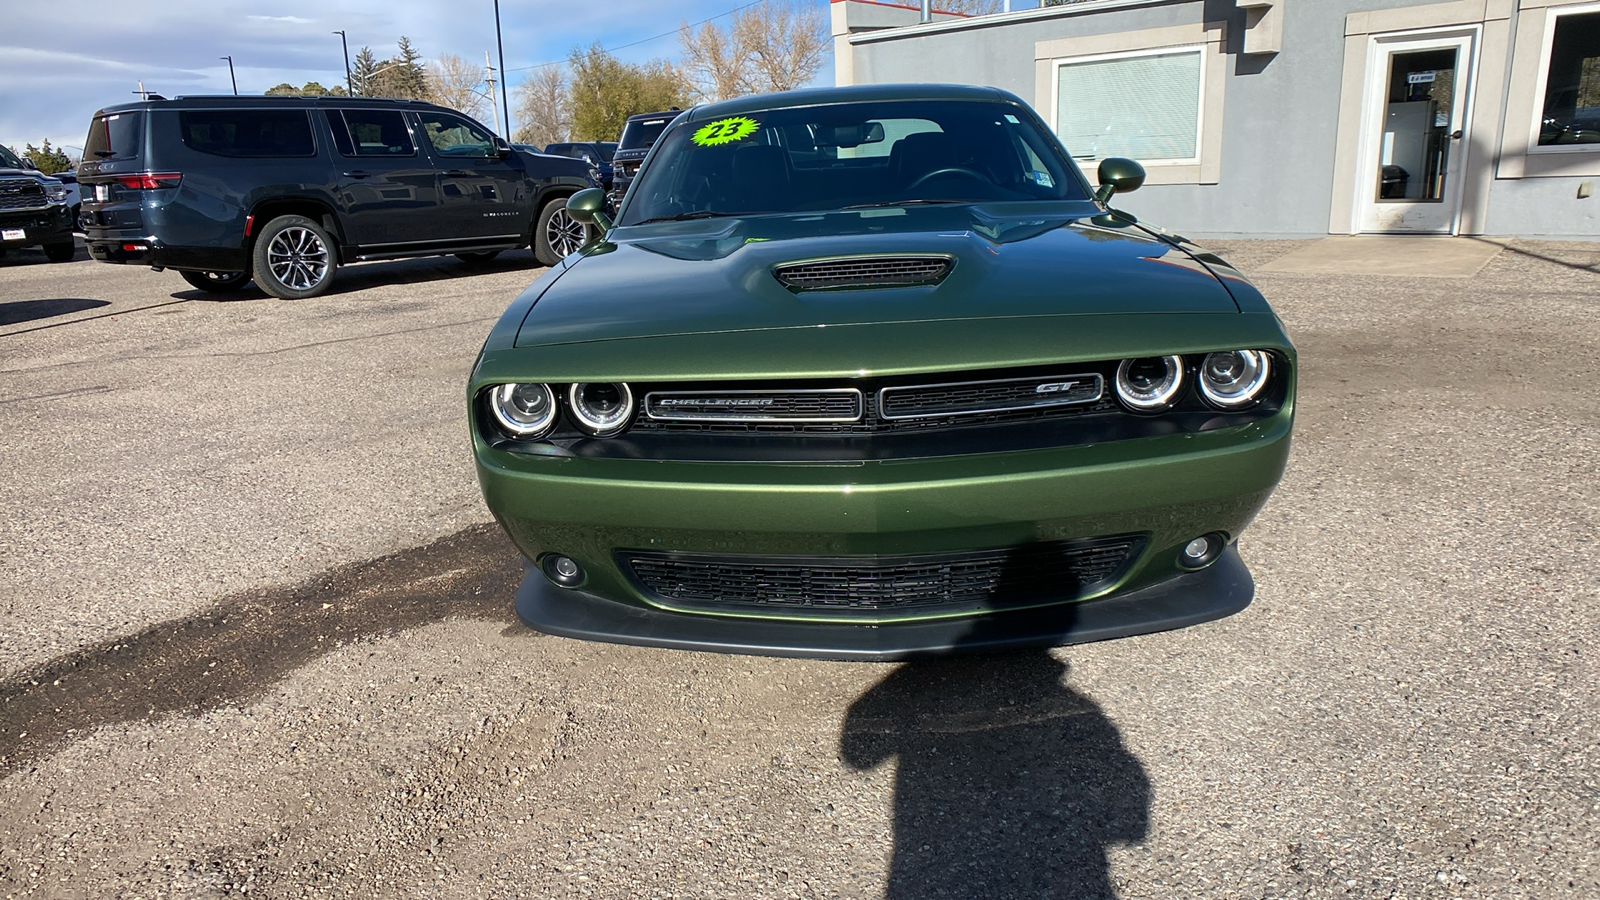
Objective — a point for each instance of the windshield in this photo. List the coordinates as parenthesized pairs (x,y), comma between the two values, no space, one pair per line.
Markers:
(8,160)
(852,155)
(607,149)
(640,133)
(113,136)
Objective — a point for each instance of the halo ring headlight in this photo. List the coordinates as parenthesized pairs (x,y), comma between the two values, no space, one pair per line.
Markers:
(1151,383)
(1234,379)
(600,408)
(523,410)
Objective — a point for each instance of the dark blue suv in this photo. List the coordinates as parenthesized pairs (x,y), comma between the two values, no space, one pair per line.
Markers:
(282,190)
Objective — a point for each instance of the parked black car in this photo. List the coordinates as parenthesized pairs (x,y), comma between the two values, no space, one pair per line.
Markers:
(285,189)
(595,153)
(639,134)
(35,210)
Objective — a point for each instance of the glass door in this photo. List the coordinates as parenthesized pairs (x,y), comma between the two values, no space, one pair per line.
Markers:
(1417,107)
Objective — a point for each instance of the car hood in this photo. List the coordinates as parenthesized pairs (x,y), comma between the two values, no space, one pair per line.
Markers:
(1011,260)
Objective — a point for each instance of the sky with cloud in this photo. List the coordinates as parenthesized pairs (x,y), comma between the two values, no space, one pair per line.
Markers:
(56,68)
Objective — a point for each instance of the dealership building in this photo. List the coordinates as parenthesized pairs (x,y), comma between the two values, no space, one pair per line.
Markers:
(1290,117)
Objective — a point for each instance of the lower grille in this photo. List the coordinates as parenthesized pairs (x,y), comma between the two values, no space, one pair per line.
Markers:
(887,586)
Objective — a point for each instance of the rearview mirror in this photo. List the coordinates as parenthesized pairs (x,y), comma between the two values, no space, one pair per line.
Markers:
(849,135)
(588,207)
(1118,176)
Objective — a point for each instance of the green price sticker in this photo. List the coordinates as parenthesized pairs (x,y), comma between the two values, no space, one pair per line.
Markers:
(724,131)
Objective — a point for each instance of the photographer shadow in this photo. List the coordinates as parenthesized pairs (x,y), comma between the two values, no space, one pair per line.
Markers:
(1009,782)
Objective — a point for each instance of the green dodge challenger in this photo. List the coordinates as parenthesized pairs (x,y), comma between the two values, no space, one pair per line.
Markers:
(873,373)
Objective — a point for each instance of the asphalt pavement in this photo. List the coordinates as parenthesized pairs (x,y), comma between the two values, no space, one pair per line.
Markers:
(258,636)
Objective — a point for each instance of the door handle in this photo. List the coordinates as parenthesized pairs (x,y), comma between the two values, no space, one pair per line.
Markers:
(455,173)
(1455,135)
(356,174)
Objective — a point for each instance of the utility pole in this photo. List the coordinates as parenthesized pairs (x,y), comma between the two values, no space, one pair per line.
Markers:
(143,94)
(230,74)
(348,84)
(505,101)
(494,103)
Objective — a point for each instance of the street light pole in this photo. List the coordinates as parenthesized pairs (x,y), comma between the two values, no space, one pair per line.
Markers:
(505,101)
(230,74)
(348,84)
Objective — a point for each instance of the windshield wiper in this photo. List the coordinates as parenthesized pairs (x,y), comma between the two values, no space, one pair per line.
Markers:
(902,203)
(697,214)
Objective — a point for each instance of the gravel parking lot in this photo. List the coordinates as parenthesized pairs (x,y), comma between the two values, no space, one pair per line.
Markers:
(258,636)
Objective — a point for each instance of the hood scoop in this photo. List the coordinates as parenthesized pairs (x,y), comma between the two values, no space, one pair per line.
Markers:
(851,273)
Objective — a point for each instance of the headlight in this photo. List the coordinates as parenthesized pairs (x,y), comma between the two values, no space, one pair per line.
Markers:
(601,408)
(524,410)
(1234,379)
(1149,384)
(56,191)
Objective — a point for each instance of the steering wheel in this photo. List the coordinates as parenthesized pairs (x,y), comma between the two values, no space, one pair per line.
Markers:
(946,171)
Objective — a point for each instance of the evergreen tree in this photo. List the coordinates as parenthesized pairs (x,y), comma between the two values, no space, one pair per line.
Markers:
(361,71)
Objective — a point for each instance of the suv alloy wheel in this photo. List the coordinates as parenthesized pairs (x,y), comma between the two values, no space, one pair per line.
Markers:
(293,258)
(558,234)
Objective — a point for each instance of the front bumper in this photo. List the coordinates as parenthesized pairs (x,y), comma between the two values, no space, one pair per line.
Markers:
(1167,489)
(1222,589)
(40,227)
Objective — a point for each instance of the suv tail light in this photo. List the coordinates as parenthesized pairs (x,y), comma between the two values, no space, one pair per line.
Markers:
(149,181)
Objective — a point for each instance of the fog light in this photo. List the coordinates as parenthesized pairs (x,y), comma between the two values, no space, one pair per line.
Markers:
(563,570)
(1202,551)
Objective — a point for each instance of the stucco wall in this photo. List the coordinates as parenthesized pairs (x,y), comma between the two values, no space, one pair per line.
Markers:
(1280,120)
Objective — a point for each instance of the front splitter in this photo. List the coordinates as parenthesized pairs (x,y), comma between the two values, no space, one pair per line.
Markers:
(1219,590)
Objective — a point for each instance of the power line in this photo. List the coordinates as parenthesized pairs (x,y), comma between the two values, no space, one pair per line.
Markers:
(646,40)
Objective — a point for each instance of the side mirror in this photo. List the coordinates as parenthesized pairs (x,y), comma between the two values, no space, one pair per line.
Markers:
(29,164)
(501,148)
(1118,176)
(588,207)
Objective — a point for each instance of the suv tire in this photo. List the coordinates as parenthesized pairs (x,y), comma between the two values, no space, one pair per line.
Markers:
(557,234)
(217,282)
(61,252)
(294,258)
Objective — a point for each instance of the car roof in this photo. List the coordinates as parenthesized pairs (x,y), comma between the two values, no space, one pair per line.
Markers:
(228,101)
(665,113)
(853,94)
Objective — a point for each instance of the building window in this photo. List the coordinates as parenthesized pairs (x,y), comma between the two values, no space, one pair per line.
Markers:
(1144,106)
(1572,82)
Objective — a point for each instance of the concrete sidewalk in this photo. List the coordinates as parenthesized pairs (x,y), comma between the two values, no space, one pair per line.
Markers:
(1423,256)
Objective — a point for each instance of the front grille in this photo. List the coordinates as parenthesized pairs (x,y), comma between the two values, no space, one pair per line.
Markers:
(863,272)
(793,406)
(21,193)
(904,404)
(977,397)
(885,586)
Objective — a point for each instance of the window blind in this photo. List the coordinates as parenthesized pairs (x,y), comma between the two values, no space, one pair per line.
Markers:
(1143,107)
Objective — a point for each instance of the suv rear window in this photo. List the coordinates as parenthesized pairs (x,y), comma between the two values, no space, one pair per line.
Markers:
(639,133)
(247,133)
(115,136)
(376,132)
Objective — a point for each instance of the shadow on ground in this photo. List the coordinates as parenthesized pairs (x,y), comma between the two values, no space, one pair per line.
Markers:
(1009,783)
(245,644)
(19,311)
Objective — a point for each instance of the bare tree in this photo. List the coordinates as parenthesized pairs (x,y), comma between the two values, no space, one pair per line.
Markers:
(975,7)
(787,41)
(458,84)
(544,108)
(776,45)
(716,62)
